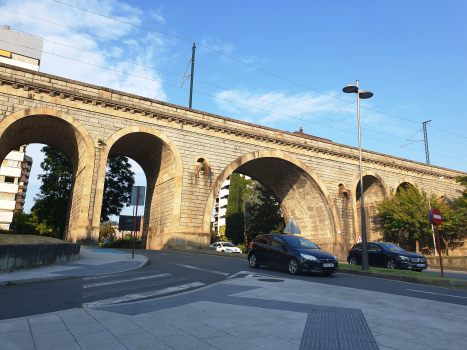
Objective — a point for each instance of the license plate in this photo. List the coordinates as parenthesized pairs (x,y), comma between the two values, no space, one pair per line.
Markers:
(328,265)
(420,265)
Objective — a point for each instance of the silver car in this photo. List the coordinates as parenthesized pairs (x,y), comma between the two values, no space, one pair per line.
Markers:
(226,247)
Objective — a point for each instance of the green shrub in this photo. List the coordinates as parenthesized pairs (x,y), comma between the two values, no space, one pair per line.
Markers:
(243,248)
(125,242)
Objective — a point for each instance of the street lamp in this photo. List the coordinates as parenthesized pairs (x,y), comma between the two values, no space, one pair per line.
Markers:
(361,94)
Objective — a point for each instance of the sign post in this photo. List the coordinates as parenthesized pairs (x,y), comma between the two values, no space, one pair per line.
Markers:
(435,217)
(135,200)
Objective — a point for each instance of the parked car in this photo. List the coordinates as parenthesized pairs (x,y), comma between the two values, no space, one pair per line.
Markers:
(296,254)
(387,255)
(226,247)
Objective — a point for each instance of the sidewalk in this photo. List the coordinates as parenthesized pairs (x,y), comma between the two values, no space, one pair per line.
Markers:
(92,262)
(254,312)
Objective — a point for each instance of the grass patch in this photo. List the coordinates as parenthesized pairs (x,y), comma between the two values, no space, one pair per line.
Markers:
(392,272)
(27,239)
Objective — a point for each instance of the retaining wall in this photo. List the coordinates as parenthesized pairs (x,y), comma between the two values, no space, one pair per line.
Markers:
(25,256)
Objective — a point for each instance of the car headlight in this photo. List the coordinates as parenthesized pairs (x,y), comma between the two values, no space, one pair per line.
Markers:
(335,257)
(404,258)
(308,257)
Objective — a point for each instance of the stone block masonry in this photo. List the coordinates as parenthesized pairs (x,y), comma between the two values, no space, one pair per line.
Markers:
(315,180)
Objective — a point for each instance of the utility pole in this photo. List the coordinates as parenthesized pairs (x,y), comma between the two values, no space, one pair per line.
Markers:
(425,138)
(427,154)
(192,72)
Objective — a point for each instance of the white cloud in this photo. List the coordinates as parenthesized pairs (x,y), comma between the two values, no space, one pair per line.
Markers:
(138,80)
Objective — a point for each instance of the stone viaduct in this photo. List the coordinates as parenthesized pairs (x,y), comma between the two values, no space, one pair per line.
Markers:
(315,180)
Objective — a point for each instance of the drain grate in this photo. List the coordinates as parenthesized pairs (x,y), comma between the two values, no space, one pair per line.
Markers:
(269,280)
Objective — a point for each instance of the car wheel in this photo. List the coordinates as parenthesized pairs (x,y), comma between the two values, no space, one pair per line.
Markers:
(353,261)
(391,264)
(293,267)
(253,261)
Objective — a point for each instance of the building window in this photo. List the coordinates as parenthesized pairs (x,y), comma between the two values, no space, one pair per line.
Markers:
(13,163)
(9,179)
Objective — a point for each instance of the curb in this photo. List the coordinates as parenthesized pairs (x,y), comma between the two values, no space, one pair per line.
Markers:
(65,277)
(207,252)
(448,268)
(437,282)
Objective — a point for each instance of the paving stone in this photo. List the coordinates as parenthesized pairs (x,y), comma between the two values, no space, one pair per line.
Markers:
(273,343)
(53,338)
(183,342)
(49,327)
(15,336)
(14,325)
(58,346)
(138,340)
(202,332)
(20,345)
(165,331)
(44,319)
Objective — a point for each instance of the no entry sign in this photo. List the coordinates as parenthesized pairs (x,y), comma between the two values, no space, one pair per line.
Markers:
(435,217)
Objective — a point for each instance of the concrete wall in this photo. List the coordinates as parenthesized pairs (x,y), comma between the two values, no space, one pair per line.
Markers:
(89,123)
(25,256)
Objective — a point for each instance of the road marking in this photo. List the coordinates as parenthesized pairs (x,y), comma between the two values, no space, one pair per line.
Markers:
(98,284)
(446,295)
(131,297)
(201,269)
(127,288)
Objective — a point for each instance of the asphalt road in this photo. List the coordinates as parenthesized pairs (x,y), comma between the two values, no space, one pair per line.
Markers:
(170,272)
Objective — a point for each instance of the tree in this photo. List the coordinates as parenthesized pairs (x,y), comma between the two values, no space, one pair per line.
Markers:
(234,220)
(106,231)
(262,212)
(461,202)
(404,219)
(50,210)
(52,203)
(119,180)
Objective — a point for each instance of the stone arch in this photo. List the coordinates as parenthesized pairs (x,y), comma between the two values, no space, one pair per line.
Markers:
(402,182)
(296,186)
(162,164)
(375,190)
(60,130)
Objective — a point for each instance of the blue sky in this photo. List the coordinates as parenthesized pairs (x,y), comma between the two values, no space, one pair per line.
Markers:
(411,55)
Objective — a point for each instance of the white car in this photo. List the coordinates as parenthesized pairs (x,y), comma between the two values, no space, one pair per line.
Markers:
(225,247)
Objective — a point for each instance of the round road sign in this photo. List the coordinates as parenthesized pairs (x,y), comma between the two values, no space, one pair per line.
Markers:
(435,217)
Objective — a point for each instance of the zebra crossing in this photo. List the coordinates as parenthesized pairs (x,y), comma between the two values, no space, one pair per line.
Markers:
(114,289)
(138,285)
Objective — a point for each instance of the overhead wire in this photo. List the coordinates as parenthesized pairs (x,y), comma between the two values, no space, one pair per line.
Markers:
(227,74)
(209,84)
(247,64)
(249,106)
(326,106)
(219,98)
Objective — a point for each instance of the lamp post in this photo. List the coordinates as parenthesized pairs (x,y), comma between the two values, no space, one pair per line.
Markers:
(361,94)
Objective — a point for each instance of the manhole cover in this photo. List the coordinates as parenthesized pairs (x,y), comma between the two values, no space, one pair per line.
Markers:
(269,280)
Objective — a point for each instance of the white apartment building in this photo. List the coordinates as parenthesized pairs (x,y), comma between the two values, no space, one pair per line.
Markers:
(20,49)
(220,207)
(14,179)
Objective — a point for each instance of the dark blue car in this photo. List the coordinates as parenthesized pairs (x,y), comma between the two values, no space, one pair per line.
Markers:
(296,254)
(387,255)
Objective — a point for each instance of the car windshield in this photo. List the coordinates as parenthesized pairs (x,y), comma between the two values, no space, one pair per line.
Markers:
(228,245)
(297,242)
(390,246)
